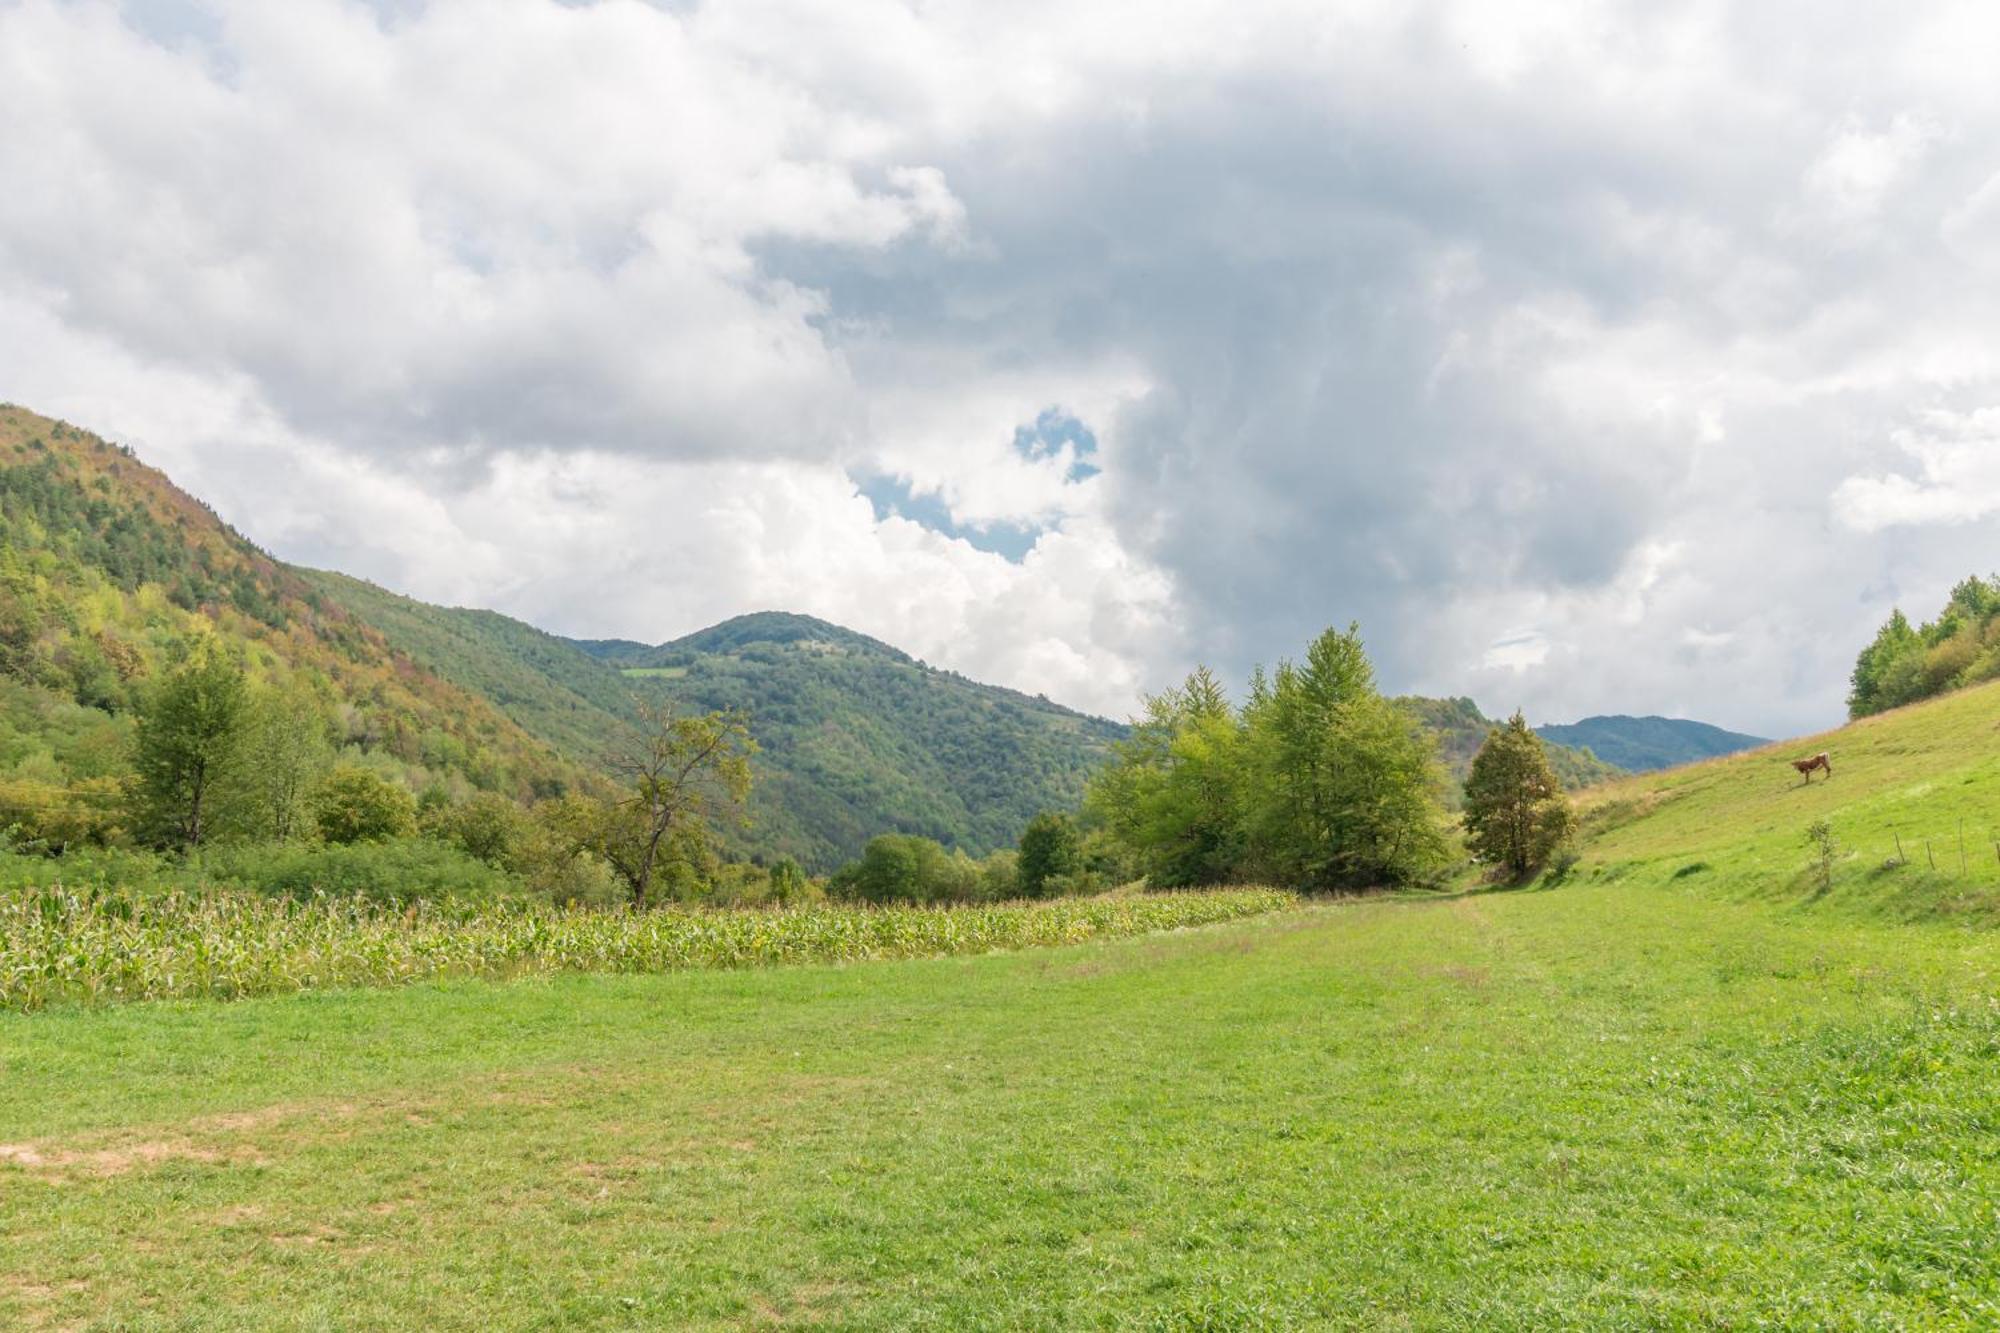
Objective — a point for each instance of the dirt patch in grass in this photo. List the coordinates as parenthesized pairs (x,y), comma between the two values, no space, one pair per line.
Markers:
(49,1160)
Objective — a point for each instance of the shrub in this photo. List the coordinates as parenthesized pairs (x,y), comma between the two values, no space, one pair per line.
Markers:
(1819,842)
(903,868)
(1050,849)
(488,827)
(394,873)
(356,805)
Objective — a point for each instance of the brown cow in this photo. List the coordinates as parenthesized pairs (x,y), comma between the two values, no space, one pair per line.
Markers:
(1818,763)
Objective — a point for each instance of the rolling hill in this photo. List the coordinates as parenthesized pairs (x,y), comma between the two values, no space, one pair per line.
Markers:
(105,566)
(1646,744)
(1461,729)
(860,738)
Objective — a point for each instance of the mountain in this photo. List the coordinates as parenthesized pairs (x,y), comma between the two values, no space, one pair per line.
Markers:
(1461,729)
(859,738)
(1644,744)
(105,566)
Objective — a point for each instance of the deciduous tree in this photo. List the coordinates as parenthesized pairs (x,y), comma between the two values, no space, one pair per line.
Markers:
(681,773)
(1051,851)
(188,735)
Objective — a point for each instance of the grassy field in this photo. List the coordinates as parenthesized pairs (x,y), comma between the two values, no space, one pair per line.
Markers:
(1643,1097)
(1590,1107)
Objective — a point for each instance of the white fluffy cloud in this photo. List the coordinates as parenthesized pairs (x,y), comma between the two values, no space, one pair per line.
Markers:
(1627,356)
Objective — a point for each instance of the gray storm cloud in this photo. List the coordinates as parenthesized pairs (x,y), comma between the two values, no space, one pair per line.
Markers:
(1609,359)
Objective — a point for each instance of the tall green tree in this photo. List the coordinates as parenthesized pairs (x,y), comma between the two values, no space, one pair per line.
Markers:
(1516,815)
(188,735)
(1171,791)
(1870,690)
(1051,850)
(1342,786)
(1318,781)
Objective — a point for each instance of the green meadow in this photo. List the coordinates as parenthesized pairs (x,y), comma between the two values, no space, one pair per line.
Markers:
(1687,1085)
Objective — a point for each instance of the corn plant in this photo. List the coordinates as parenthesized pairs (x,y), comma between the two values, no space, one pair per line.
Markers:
(61,946)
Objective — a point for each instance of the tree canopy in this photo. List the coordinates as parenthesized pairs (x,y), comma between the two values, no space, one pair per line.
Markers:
(1316,781)
(1516,815)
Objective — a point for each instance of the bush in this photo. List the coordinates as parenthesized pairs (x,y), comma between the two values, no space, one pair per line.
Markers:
(488,827)
(103,869)
(903,868)
(51,819)
(356,805)
(393,873)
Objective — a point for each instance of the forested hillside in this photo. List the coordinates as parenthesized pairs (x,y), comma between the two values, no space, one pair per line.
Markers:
(858,738)
(1646,744)
(108,571)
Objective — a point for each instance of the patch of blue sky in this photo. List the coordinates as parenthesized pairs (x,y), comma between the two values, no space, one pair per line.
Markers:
(1052,430)
(892,495)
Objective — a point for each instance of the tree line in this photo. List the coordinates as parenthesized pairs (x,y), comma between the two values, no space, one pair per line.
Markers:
(1314,781)
(1905,663)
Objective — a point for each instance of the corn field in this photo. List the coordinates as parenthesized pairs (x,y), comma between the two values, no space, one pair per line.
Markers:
(63,947)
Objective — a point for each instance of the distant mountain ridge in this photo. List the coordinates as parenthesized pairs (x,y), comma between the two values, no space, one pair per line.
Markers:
(772,627)
(1646,744)
(1461,729)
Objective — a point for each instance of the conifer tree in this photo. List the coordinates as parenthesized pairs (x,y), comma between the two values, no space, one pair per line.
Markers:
(1516,815)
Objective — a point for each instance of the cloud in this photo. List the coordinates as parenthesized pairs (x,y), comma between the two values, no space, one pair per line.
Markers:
(1957,458)
(1596,358)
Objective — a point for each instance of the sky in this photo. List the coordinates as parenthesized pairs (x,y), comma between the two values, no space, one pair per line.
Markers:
(1594,357)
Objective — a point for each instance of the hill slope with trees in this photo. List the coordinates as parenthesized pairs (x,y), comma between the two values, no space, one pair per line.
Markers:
(1461,729)
(1647,744)
(859,738)
(107,571)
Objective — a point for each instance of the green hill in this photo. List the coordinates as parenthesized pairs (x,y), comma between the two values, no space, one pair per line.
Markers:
(1645,744)
(859,738)
(105,565)
(1461,729)
(1913,808)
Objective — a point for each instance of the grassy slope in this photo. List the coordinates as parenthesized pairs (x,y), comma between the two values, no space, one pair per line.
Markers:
(1738,824)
